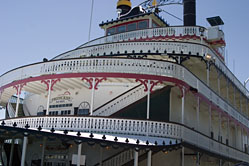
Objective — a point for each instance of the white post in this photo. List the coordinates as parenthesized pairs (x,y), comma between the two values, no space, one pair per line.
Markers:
(183,100)
(79,154)
(135,158)
(49,94)
(24,148)
(210,119)
(149,158)
(182,156)
(18,100)
(240,103)
(220,127)
(92,97)
(43,150)
(219,82)
(12,152)
(148,100)
(242,142)
(227,90)
(208,68)
(198,114)
(234,93)
(236,139)
(228,130)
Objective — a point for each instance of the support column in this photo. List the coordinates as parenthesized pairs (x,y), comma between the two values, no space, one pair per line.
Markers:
(220,127)
(210,119)
(49,94)
(198,114)
(182,156)
(43,150)
(208,71)
(79,154)
(234,96)
(101,156)
(236,132)
(11,152)
(148,100)
(219,74)
(197,159)
(24,149)
(228,90)
(228,130)
(242,143)
(149,158)
(18,100)
(183,103)
(92,96)
(135,158)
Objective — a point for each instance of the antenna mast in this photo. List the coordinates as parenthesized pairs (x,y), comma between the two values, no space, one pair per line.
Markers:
(91,17)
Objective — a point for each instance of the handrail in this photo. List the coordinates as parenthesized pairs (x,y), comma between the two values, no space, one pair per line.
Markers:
(121,101)
(124,66)
(131,127)
(128,91)
(10,110)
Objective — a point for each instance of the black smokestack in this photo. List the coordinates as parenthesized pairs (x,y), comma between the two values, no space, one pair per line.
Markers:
(189,11)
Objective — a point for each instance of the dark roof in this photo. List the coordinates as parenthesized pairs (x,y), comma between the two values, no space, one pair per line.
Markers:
(214,21)
(136,16)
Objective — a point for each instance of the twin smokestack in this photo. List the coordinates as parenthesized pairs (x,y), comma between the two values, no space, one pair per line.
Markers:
(189,10)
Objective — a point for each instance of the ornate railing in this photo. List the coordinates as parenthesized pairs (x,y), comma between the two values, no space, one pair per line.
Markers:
(148,33)
(92,48)
(123,66)
(131,127)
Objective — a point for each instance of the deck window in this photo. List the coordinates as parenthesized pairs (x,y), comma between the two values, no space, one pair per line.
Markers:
(121,29)
(131,27)
(111,31)
(143,25)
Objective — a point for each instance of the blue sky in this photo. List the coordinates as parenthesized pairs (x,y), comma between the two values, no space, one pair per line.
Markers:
(31,30)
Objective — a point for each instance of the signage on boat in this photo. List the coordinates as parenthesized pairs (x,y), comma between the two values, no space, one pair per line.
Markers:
(62,98)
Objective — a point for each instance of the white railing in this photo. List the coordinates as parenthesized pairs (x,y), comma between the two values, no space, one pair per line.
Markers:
(122,158)
(123,66)
(101,125)
(121,102)
(147,33)
(91,47)
(11,110)
(131,127)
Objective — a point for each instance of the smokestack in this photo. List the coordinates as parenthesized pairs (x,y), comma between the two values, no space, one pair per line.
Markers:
(124,5)
(189,11)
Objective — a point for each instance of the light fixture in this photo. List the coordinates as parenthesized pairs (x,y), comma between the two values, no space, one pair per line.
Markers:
(208,57)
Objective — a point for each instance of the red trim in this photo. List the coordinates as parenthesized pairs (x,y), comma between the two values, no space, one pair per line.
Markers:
(17,88)
(153,83)
(139,77)
(144,82)
(89,80)
(53,82)
(126,23)
(97,81)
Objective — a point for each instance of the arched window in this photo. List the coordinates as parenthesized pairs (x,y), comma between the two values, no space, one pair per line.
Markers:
(40,111)
(84,108)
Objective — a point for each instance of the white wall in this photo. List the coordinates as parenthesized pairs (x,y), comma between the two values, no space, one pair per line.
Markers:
(102,95)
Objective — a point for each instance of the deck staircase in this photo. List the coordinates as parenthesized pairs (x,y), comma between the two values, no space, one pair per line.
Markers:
(123,158)
(122,101)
